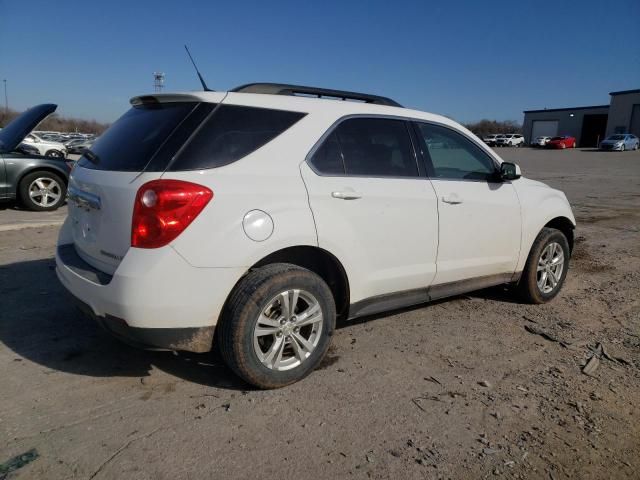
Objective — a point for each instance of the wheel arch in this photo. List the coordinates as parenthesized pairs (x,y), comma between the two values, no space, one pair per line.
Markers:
(566,226)
(322,263)
(40,168)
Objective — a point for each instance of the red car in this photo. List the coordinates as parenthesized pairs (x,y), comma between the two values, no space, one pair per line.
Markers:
(562,142)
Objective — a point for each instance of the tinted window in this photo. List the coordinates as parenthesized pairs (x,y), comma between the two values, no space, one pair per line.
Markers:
(376,147)
(133,140)
(454,156)
(328,159)
(232,132)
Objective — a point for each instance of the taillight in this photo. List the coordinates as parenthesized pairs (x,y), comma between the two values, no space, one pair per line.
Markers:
(163,209)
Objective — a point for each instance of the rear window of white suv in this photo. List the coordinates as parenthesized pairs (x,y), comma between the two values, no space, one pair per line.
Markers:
(136,137)
(185,136)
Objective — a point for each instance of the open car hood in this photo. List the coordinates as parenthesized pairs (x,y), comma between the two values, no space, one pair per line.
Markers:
(19,127)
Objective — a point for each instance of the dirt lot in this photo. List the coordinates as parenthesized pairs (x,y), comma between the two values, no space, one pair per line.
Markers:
(471,387)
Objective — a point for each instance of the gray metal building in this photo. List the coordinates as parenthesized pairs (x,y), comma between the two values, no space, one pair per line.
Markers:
(589,125)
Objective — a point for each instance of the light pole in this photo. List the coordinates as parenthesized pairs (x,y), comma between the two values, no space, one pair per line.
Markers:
(6,102)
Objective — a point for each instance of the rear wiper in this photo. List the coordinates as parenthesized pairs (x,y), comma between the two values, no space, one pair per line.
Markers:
(92,157)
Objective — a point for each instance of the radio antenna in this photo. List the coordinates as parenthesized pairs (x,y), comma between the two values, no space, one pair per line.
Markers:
(204,85)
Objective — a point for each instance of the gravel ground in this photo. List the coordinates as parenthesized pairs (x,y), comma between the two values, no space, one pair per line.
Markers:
(471,387)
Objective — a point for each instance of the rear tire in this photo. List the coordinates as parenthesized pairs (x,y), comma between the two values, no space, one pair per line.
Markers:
(42,191)
(277,325)
(542,279)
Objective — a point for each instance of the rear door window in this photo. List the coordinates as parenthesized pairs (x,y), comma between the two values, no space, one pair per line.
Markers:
(368,147)
(327,160)
(377,147)
(230,133)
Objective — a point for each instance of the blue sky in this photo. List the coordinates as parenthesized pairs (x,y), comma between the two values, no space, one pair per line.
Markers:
(465,59)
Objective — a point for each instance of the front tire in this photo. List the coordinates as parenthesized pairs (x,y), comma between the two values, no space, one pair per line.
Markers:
(277,325)
(42,191)
(546,267)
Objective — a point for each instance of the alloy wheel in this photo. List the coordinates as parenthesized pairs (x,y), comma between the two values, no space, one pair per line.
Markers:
(550,267)
(288,330)
(45,191)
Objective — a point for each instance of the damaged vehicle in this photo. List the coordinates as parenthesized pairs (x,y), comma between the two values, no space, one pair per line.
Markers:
(250,221)
(38,182)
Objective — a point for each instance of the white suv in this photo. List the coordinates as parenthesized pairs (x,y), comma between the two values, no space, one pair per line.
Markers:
(510,140)
(264,216)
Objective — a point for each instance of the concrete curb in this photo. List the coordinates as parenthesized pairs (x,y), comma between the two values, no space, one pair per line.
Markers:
(19,226)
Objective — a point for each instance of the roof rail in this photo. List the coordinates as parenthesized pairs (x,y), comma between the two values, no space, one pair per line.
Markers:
(300,90)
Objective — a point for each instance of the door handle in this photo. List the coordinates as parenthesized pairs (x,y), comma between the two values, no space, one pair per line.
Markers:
(347,195)
(452,198)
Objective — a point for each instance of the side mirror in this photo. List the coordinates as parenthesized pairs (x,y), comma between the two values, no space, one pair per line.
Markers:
(509,171)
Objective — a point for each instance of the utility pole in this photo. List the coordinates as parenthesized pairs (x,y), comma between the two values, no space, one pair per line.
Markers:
(6,102)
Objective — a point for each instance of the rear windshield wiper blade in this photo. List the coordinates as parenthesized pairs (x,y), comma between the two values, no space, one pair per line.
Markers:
(92,157)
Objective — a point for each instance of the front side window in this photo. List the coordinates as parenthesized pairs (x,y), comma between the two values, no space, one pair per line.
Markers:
(453,156)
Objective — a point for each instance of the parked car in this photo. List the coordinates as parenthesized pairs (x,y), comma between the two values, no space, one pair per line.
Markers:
(620,142)
(540,141)
(79,147)
(267,216)
(27,149)
(46,148)
(490,139)
(562,142)
(510,140)
(38,182)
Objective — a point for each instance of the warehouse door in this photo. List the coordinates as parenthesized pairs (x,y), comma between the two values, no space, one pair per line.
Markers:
(593,129)
(634,127)
(544,128)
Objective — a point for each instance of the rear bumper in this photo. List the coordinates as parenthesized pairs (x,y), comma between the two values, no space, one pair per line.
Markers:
(191,339)
(155,298)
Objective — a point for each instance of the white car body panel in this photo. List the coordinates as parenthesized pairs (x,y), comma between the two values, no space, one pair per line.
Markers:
(398,236)
(480,236)
(153,288)
(539,204)
(393,261)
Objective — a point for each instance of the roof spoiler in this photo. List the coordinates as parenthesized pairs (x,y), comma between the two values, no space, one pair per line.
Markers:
(163,97)
(301,90)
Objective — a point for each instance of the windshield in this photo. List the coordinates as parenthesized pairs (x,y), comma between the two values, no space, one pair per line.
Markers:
(616,137)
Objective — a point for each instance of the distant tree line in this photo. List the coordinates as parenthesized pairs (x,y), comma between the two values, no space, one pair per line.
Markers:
(56,123)
(486,127)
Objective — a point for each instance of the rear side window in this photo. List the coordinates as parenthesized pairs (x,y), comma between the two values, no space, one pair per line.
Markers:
(230,133)
(133,140)
(372,147)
